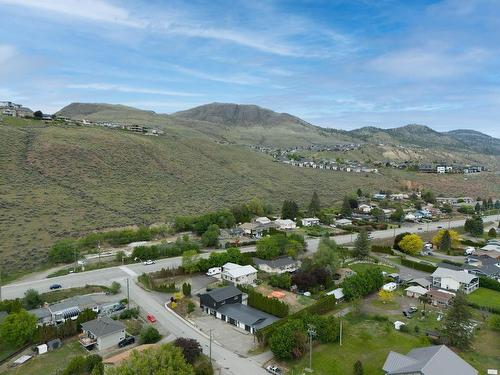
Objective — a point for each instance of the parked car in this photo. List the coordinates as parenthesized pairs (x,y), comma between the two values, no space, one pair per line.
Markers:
(274,370)
(151,318)
(55,286)
(412,309)
(440,227)
(469,251)
(149,262)
(407,314)
(126,341)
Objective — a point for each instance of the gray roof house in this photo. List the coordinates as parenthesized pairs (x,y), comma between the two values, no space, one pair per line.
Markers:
(43,316)
(278,265)
(71,307)
(450,279)
(431,360)
(102,333)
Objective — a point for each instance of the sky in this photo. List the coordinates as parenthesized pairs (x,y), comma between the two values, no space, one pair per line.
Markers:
(342,64)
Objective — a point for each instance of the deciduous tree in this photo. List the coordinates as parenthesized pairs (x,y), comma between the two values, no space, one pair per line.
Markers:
(17,328)
(411,244)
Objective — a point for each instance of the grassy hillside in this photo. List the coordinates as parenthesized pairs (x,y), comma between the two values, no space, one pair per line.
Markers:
(58,180)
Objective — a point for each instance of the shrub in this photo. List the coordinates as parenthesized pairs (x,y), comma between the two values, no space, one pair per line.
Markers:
(203,367)
(130,313)
(492,233)
(486,282)
(115,287)
(272,306)
(283,281)
(382,249)
(191,349)
(186,289)
(190,307)
(495,322)
(426,267)
(150,335)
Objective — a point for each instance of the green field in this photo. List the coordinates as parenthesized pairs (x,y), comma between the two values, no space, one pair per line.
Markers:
(361,267)
(51,362)
(485,297)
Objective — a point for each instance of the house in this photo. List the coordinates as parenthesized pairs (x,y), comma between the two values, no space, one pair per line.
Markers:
(483,266)
(263,220)
(441,169)
(431,360)
(226,304)
(343,222)
(410,217)
(440,297)
(278,265)
(102,333)
(253,229)
(390,287)
(70,308)
(379,196)
(423,282)
(415,291)
(237,274)
(365,208)
(43,316)
(285,224)
(310,221)
(338,293)
(446,278)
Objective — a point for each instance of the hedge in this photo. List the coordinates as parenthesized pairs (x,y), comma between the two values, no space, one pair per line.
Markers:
(271,306)
(426,267)
(472,243)
(486,282)
(382,249)
(494,310)
(452,262)
(322,306)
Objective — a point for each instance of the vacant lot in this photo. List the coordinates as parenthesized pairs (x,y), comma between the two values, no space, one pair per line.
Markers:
(295,301)
(485,297)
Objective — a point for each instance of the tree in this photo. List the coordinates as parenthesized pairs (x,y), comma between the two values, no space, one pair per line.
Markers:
(241,213)
(63,251)
(289,340)
(492,233)
(445,244)
(32,299)
(115,287)
(346,209)
(359,192)
(191,349)
(326,256)
(190,261)
(428,196)
(385,296)
(289,210)
(362,245)
(398,214)
(378,214)
(38,115)
(454,236)
(166,359)
(283,281)
(447,208)
(398,239)
(477,207)
(150,335)
(186,289)
(411,244)
(456,325)
(256,207)
(358,368)
(211,236)
(474,225)
(17,328)
(315,205)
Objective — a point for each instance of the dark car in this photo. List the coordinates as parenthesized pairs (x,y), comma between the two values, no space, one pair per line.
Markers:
(407,314)
(126,341)
(55,286)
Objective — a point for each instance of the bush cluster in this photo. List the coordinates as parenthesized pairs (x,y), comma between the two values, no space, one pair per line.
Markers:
(426,267)
(362,284)
(271,306)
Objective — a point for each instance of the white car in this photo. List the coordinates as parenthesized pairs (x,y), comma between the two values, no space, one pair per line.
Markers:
(149,262)
(275,370)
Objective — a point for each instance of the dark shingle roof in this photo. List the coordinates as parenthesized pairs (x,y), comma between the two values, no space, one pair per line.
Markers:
(103,326)
(221,294)
(247,315)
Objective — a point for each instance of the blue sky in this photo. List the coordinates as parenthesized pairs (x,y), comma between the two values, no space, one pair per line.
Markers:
(342,64)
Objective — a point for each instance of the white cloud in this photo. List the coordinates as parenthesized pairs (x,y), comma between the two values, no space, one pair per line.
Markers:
(128,89)
(7,52)
(93,10)
(240,79)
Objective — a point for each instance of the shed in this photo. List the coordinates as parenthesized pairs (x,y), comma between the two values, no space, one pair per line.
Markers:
(41,349)
(415,291)
(54,344)
(398,324)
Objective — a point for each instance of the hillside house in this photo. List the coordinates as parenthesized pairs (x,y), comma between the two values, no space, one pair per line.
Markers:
(285,224)
(445,278)
(277,266)
(310,221)
(343,222)
(238,275)
(263,220)
(365,208)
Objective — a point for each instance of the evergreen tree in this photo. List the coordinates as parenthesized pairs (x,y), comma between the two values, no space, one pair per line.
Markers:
(398,215)
(346,209)
(477,208)
(456,327)
(474,225)
(445,244)
(314,206)
(289,210)
(358,368)
(362,245)
(359,192)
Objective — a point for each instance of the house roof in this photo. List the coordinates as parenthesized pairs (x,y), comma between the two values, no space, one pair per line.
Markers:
(338,293)
(103,326)
(247,315)
(416,289)
(235,270)
(440,294)
(431,360)
(82,302)
(422,281)
(41,313)
(284,222)
(310,219)
(460,276)
(275,263)
(221,294)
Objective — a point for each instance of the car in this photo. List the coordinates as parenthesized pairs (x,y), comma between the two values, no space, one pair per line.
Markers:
(55,286)
(440,227)
(126,341)
(412,309)
(149,262)
(420,228)
(407,314)
(274,370)
(151,318)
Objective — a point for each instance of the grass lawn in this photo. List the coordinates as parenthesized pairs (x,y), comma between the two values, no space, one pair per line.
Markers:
(369,341)
(485,297)
(51,362)
(360,267)
(58,295)
(389,305)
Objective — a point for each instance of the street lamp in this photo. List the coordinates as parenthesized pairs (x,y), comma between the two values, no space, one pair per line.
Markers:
(311,331)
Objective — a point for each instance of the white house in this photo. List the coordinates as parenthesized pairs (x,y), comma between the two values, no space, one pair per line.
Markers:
(415,291)
(263,220)
(285,224)
(338,293)
(343,222)
(277,266)
(441,169)
(454,280)
(237,274)
(410,217)
(310,221)
(365,208)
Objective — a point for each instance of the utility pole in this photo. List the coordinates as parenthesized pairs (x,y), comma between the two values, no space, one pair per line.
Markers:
(0,283)
(311,331)
(210,347)
(74,268)
(99,253)
(128,295)
(341,332)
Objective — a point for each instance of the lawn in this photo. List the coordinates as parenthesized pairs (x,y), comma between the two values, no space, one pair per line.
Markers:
(369,341)
(485,297)
(361,267)
(51,362)
(61,294)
